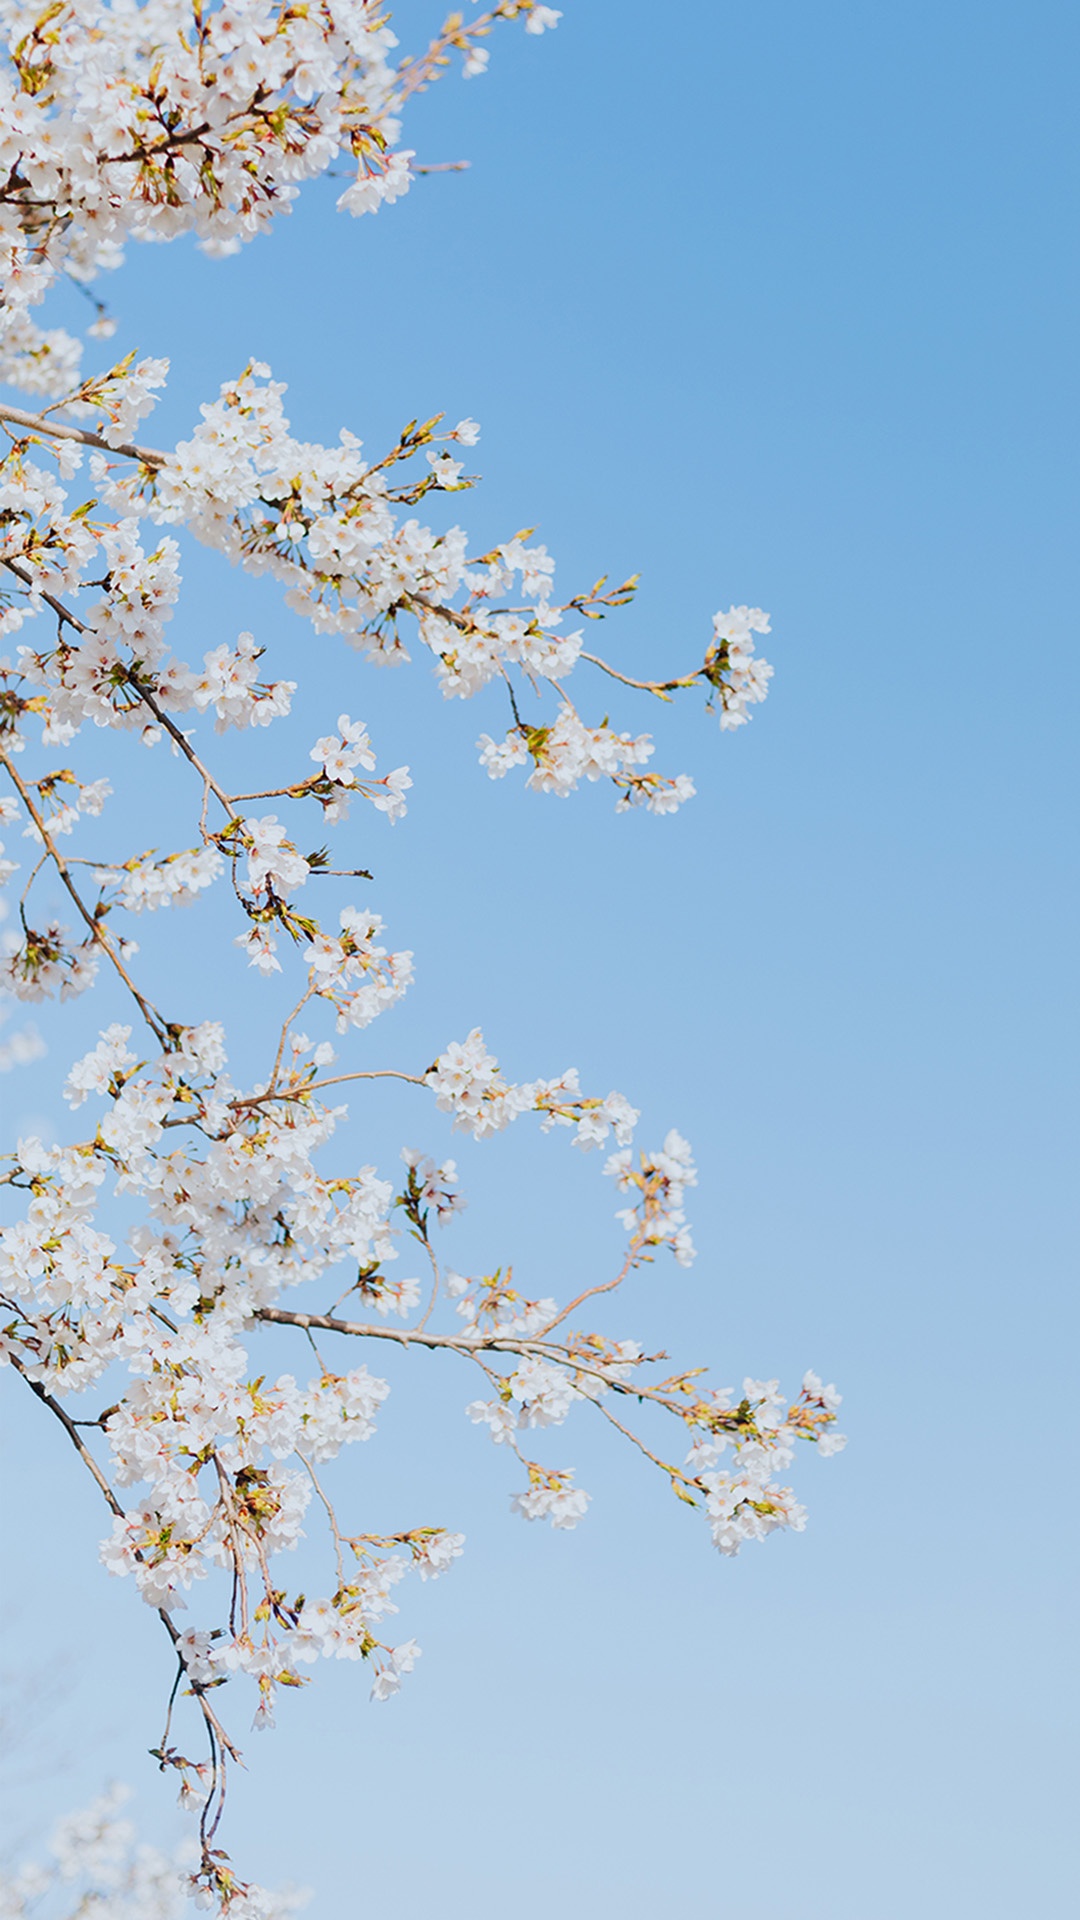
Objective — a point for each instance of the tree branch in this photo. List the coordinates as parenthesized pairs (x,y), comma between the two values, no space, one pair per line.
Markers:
(58,430)
(149,1013)
(213,1724)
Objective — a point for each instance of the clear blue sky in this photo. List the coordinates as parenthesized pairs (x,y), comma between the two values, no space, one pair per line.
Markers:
(772,303)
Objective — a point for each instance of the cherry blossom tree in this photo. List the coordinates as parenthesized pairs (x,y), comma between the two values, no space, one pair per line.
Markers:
(191,1213)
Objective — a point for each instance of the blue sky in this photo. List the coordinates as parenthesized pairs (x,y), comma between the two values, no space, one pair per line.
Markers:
(773,304)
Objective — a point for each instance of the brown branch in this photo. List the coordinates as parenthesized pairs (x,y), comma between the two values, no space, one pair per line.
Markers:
(58,430)
(526,1347)
(457,1343)
(605,1286)
(132,680)
(72,1432)
(62,613)
(182,742)
(316,1086)
(661,688)
(149,1013)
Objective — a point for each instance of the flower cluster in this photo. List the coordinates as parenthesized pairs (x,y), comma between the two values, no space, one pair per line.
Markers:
(743,679)
(466,1082)
(339,754)
(149,122)
(660,1181)
(144,884)
(48,963)
(322,521)
(743,1502)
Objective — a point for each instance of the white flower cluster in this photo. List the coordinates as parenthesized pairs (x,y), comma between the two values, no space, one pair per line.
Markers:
(224,1457)
(339,755)
(745,678)
(466,1082)
(98,1069)
(227,1232)
(144,885)
(568,752)
(322,521)
(152,121)
(45,964)
(273,864)
(743,1502)
(356,975)
(434,1186)
(229,683)
(554,1497)
(660,1180)
(59,814)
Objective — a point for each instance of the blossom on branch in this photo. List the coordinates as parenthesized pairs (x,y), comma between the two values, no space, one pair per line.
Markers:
(202,1224)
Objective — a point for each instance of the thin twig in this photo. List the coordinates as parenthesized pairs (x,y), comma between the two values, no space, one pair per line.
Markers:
(213,1724)
(150,1013)
(316,1086)
(662,688)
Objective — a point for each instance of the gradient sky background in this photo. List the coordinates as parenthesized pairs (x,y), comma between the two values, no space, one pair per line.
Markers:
(774,303)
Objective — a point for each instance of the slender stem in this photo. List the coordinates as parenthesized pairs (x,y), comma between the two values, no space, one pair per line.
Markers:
(299,1007)
(295,792)
(375,1073)
(213,1724)
(436,1279)
(174,1690)
(150,1014)
(148,699)
(182,741)
(662,688)
(605,1286)
(240,1584)
(665,1466)
(63,614)
(73,1435)
(316,1086)
(330,1514)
